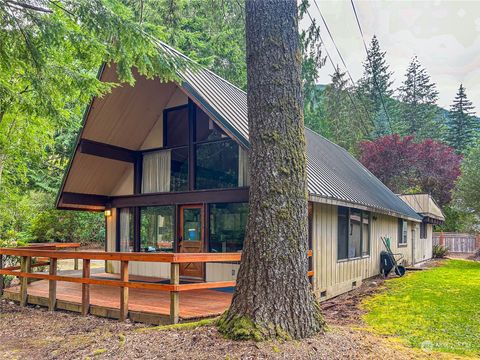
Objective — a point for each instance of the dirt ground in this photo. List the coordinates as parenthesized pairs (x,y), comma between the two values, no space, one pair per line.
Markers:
(34,333)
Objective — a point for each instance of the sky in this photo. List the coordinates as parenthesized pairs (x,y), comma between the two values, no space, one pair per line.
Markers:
(444,35)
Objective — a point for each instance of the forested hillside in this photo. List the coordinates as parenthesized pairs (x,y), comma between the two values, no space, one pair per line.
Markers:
(50,55)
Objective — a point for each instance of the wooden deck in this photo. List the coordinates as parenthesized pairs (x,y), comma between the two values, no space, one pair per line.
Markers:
(144,305)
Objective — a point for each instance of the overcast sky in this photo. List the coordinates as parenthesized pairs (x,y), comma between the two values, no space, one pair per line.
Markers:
(445,35)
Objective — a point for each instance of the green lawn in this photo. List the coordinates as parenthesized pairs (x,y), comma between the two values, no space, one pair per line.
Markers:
(437,309)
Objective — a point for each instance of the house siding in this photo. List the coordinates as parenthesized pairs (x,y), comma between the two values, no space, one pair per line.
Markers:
(333,277)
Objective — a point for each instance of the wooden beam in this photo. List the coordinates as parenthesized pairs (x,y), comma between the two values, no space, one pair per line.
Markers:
(125,256)
(182,197)
(52,285)
(174,295)
(107,151)
(25,263)
(86,287)
(84,199)
(124,291)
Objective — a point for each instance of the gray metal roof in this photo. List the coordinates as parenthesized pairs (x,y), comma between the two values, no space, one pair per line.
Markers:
(332,172)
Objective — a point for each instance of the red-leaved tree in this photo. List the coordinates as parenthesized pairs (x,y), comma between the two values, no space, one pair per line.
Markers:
(404,165)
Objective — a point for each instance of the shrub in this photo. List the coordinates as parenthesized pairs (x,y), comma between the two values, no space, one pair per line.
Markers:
(439,251)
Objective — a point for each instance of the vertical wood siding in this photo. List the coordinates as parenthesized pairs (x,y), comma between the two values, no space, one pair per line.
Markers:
(333,277)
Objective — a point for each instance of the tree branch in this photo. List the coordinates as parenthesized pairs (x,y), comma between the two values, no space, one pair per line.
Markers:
(29,6)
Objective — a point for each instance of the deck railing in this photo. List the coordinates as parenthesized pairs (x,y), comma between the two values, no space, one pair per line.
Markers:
(24,272)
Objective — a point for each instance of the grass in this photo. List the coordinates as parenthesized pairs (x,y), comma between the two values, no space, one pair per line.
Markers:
(181,326)
(437,309)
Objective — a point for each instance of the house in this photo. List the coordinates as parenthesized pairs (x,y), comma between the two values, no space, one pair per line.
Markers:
(431,214)
(168,163)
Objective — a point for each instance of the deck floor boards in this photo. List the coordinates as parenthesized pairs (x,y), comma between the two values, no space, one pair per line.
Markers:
(193,304)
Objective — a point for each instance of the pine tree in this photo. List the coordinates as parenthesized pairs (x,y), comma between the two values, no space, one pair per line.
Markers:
(461,123)
(375,86)
(345,121)
(419,96)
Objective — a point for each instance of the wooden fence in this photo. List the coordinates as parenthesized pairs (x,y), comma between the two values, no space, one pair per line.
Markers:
(457,242)
(24,272)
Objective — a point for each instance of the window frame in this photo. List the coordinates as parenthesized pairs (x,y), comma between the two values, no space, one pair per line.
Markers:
(402,233)
(362,214)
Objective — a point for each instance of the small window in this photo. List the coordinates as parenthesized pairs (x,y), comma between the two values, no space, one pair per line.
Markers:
(365,233)
(216,165)
(402,232)
(206,129)
(175,130)
(126,242)
(157,225)
(423,230)
(227,226)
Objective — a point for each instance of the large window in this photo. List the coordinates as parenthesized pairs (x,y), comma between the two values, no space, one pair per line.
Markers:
(157,228)
(353,233)
(227,226)
(402,232)
(216,165)
(206,129)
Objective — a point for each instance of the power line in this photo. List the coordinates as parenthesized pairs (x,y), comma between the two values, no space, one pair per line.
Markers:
(370,61)
(335,67)
(343,61)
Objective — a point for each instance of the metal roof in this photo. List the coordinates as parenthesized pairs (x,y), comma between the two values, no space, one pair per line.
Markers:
(332,172)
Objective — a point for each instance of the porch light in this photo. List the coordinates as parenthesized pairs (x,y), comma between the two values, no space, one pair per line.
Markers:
(108,213)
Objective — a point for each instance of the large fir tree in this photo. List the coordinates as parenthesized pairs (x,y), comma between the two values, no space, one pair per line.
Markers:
(376,87)
(462,125)
(345,119)
(273,297)
(419,96)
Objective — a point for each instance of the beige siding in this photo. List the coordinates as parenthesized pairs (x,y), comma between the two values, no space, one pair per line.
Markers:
(333,277)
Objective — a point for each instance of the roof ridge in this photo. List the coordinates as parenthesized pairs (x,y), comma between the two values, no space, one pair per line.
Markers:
(200,65)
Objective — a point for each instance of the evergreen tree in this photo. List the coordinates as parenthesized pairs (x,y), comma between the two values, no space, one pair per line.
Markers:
(345,123)
(376,87)
(462,125)
(419,96)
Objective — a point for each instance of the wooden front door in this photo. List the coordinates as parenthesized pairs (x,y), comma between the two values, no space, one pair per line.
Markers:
(191,234)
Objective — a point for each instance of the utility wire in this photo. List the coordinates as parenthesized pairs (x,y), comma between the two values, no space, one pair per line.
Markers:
(370,61)
(336,66)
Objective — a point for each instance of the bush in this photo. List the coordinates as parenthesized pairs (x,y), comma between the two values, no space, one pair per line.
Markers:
(439,251)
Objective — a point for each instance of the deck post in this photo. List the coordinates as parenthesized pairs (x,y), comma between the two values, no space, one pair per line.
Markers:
(75,261)
(1,275)
(25,266)
(86,287)
(52,285)
(124,291)
(174,295)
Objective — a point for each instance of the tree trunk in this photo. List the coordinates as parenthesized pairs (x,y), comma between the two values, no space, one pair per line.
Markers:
(273,297)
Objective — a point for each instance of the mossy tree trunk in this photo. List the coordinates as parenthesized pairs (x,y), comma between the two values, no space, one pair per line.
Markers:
(273,297)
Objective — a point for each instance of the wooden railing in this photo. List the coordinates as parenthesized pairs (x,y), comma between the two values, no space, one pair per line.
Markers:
(174,287)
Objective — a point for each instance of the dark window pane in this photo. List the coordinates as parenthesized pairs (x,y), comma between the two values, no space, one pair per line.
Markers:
(423,230)
(176,127)
(402,232)
(179,170)
(342,232)
(216,165)
(227,226)
(206,129)
(365,233)
(157,228)
(355,237)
